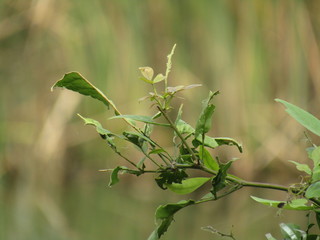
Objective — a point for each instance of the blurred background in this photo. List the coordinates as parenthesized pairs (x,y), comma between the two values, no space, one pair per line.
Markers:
(252,51)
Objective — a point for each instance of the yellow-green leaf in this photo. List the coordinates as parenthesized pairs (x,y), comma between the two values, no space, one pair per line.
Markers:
(187,186)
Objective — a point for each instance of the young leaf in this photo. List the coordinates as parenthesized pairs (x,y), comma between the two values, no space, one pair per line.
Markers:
(187,186)
(147,73)
(75,82)
(296,204)
(207,159)
(159,78)
(204,121)
(303,117)
(165,214)
(313,190)
(145,119)
(302,167)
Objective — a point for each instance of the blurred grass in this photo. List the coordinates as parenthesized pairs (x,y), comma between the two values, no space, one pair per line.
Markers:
(252,51)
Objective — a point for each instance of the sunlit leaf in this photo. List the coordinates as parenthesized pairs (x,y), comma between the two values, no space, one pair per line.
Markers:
(302,167)
(292,232)
(187,186)
(175,89)
(315,156)
(296,204)
(316,174)
(147,72)
(313,190)
(270,237)
(207,159)
(183,127)
(75,82)
(159,78)
(303,117)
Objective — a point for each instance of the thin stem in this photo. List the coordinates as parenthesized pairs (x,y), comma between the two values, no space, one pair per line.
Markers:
(178,133)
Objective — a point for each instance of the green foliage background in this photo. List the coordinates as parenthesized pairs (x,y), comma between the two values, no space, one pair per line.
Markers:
(252,51)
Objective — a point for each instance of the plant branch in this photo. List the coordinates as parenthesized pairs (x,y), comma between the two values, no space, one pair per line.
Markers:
(178,133)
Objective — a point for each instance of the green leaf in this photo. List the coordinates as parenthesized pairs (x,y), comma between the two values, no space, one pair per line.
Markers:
(313,190)
(315,174)
(167,210)
(99,128)
(157,151)
(302,167)
(204,122)
(303,117)
(183,127)
(147,73)
(207,159)
(187,186)
(165,214)
(315,156)
(159,78)
(208,142)
(75,82)
(145,119)
(104,133)
(114,174)
(296,204)
(147,81)
(137,138)
(229,142)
